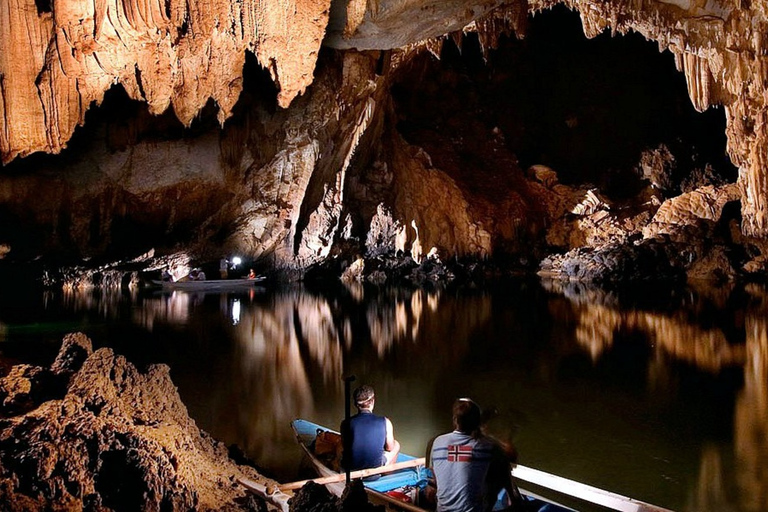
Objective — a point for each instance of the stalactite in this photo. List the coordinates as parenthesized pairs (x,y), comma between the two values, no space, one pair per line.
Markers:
(55,65)
(698,78)
(356,10)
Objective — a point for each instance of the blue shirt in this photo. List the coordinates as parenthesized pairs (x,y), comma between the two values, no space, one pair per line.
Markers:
(367,437)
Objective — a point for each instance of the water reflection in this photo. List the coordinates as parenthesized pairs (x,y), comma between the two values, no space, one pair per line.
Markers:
(691,335)
(653,392)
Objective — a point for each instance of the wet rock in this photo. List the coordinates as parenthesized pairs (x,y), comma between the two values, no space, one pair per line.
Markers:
(75,349)
(649,260)
(355,499)
(118,439)
(23,388)
(313,498)
(316,498)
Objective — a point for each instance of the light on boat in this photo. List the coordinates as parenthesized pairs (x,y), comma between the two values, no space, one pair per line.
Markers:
(236,261)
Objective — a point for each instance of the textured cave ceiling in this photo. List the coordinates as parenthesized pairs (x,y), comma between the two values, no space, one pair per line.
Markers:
(585,107)
(582,88)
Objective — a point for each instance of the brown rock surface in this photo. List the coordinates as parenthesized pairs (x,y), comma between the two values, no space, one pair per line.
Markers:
(56,61)
(118,439)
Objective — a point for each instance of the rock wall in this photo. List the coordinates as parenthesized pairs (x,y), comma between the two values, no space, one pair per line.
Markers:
(60,56)
(277,181)
(92,432)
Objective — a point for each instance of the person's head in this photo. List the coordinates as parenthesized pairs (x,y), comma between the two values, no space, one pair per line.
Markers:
(466,416)
(364,397)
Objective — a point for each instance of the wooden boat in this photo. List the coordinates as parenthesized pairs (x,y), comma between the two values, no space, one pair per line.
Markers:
(210,284)
(397,490)
(402,481)
(409,473)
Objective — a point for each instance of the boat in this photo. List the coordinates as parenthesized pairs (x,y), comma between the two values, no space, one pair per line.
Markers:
(210,284)
(395,487)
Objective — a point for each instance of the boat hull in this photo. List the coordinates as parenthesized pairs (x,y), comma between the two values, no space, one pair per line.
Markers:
(210,284)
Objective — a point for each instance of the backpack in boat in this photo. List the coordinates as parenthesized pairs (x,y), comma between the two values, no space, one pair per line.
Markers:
(328,448)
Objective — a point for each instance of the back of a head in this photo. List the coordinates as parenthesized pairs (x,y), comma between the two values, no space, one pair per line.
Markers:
(466,416)
(363,396)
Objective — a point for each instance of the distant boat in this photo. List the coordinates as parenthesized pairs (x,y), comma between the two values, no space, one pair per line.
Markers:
(210,284)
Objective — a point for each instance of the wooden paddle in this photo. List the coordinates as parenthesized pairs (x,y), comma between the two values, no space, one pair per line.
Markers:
(355,474)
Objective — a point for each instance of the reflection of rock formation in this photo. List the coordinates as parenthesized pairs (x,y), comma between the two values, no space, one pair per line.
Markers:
(170,308)
(710,494)
(599,317)
(674,335)
(279,348)
(688,336)
(751,417)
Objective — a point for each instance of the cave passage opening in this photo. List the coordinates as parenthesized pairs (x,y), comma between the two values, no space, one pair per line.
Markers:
(585,107)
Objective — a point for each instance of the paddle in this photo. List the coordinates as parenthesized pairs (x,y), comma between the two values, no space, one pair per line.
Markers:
(362,473)
(345,438)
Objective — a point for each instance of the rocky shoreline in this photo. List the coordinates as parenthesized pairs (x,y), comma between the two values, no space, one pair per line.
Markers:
(92,432)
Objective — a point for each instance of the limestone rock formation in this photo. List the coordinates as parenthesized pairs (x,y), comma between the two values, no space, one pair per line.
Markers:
(294,174)
(92,432)
(60,56)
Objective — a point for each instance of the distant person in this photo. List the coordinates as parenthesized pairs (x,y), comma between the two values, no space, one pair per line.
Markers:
(251,274)
(369,438)
(470,467)
(224,268)
(197,275)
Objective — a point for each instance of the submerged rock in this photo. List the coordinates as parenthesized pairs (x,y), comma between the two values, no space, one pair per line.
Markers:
(114,438)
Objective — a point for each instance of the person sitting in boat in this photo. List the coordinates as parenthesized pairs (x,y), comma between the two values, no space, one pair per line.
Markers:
(200,275)
(251,274)
(224,268)
(470,467)
(368,439)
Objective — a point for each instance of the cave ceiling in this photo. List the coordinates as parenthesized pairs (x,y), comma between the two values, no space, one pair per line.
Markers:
(58,59)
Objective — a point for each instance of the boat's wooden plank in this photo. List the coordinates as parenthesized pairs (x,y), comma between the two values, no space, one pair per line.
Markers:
(354,475)
(584,492)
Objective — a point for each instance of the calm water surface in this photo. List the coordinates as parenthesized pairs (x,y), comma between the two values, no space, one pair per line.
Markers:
(660,394)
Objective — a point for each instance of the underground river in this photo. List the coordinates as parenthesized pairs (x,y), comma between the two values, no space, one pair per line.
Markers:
(655,392)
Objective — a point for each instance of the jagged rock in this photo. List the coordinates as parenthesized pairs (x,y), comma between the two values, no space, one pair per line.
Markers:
(383,232)
(313,498)
(705,203)
(714,265)
(645,261)
(354,272)
(178,54)
(657,167)
(119,439)
(75,349)
(23,388)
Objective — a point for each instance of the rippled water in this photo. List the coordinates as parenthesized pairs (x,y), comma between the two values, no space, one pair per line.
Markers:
(653,392)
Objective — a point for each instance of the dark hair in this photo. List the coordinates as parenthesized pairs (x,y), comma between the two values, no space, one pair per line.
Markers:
(466,416)
(363,395)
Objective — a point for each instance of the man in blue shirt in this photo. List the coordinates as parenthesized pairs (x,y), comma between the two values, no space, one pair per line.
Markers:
(370,438)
